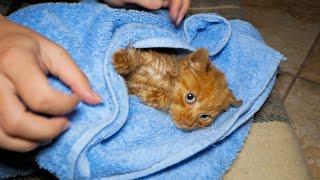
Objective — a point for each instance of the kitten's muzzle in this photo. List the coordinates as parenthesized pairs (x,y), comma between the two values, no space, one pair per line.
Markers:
(187,124)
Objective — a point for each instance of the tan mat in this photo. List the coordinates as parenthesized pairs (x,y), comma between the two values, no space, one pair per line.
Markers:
(270,152)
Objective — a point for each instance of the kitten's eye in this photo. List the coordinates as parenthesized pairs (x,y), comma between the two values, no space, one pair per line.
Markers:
(204,117)
(190,98)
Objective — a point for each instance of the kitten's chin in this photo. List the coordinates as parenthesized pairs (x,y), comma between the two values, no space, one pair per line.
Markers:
(184,128)
(183,122)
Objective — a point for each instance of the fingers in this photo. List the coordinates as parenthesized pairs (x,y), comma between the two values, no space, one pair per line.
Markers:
(32,85)
(177,9)
(183,11)
(165,3)
(114,3)
(39,128)
(60,64)
(16,121)
(174,9)
(21,130)
(6,141)
(16,144)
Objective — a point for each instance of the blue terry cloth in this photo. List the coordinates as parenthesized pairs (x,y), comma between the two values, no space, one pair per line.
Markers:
(125,139)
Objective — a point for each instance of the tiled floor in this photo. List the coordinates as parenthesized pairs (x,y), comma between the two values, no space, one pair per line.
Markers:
(299,79)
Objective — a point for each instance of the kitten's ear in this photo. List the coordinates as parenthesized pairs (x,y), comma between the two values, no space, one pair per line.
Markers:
(233,101)
(199,60)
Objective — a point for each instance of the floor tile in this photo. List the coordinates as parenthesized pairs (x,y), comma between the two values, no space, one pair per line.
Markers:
(303,107)
(276,161)
(282,84)
(284,33)
(311,68)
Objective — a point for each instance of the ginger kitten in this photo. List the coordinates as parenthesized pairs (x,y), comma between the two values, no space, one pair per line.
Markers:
(190,88)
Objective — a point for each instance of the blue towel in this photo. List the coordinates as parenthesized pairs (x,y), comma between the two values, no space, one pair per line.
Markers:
(123,138)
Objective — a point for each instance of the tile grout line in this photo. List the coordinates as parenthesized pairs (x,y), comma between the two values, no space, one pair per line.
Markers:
(309,81)
(312,48)
(303,78)
(297,75)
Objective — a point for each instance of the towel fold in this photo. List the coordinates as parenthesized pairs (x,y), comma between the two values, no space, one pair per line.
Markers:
(125,139)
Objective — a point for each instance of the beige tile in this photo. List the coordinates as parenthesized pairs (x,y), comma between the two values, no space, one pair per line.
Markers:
(270,152)
(303,107)
(282,84)
(311,68)
(284,33)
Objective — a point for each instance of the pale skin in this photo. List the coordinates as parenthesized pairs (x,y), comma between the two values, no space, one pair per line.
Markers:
(177,8)
(31,111)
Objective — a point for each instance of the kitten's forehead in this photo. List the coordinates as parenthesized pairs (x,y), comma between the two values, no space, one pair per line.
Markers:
(199,83)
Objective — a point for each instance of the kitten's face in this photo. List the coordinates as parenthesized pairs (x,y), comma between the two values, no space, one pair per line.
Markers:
(200,92)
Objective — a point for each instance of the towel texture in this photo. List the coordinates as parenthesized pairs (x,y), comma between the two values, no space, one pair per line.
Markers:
(123,138)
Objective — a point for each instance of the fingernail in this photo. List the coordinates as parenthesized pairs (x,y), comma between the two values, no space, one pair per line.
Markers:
(96,96)
(65,127)
(179,21)
(175,16)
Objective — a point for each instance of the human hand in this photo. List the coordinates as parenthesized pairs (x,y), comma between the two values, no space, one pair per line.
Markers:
(177,8)
(26,97)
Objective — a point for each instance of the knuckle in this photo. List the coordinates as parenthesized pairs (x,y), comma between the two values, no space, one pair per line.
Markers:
(61,51)
(8,57)
(39,102)
(11,126)
(12,56)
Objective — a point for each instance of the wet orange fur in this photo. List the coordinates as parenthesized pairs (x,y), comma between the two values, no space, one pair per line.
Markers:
(163,81)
